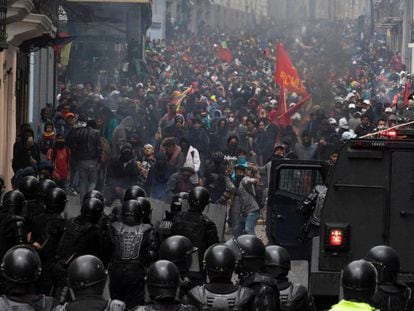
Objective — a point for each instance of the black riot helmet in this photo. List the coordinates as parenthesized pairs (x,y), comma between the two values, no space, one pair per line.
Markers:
(163,280)
(21,265)
(198,199)
(92,210)
(14,202)
(387,262)
(134,193)
(87,274)
(359,279)
(250,252)
(277,261)
(178,249)
(29,186)
(219,262)
(94,194)
(45,185)
(131,213)
(56,200)
(146,210)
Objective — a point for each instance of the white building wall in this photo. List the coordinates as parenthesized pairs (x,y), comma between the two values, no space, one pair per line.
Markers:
(157,29)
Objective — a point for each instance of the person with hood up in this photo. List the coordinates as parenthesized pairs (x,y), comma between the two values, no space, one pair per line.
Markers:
(198,137)
(120,136)
(25,151)
(221,134)
(180,181)
(177,129)
(158,176)
(122,173)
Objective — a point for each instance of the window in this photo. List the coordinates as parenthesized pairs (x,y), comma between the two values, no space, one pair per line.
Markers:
(299,181)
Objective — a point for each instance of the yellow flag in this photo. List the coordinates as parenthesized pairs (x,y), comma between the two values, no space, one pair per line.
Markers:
(65,54)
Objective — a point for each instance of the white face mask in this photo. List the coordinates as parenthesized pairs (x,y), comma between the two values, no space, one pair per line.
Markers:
(363,110)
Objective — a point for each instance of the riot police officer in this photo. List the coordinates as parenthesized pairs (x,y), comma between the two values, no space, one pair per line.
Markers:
(163,283)
(30,189)
(106,220)
(134,247)
(359,280)
(47,232)
(194,225)
(220,293)
(87,278)
(13,203)
(250,252)
(45,185)
(391,294)
(13,227)
(82,236)
(21,268)
(277,264)
(94,194)
(139,194)
(164,226)
(133,193)
(179,250)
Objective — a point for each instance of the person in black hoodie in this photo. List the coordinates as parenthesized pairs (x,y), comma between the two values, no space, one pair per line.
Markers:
(122,174)
(158,176)
(25,151)
(199,138)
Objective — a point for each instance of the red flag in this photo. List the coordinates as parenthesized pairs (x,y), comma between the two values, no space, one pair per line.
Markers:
(283,119)
(406,93)
(291,111)
(286,73)
(224,54)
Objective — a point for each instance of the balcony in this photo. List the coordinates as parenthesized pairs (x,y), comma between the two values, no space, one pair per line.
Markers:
(49,8)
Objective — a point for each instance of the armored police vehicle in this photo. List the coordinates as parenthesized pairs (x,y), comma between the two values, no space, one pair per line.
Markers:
(369,201)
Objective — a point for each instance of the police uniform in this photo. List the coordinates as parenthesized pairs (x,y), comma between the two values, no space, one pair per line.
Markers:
(134,247)
(38,303)
(223,297)
(92,303)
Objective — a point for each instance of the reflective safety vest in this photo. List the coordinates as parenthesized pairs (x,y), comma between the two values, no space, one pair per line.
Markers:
(346,305)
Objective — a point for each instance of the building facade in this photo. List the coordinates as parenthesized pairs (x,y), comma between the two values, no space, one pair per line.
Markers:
(28,29)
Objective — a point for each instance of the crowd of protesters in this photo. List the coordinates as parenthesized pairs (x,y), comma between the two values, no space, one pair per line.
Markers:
(193,118)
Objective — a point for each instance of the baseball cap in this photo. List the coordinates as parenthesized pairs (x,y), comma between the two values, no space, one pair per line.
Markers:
(388,109)
(351,106)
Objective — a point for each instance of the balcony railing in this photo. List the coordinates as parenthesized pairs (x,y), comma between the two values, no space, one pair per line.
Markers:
(48,8)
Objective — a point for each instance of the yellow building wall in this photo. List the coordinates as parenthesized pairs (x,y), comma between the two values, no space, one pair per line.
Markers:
(8,60)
